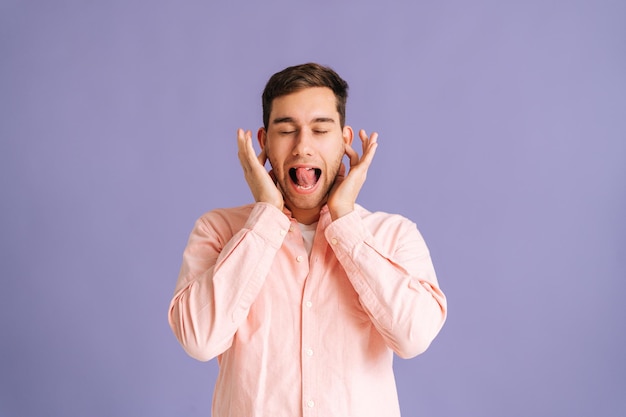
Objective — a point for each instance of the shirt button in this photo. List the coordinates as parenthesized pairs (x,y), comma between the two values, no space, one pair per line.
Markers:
(283,233)
(308,304)
(310,404)
(334,241)
(309,352)
(299,258)
(291,228)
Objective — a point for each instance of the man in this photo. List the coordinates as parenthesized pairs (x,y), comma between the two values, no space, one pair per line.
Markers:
(304,295)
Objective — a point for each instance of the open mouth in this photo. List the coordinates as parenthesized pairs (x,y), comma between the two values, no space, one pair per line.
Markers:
(305,178)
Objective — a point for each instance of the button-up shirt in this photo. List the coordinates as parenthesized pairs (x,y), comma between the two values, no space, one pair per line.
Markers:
(300,335)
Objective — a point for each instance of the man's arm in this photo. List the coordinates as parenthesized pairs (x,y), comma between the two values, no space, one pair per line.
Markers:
(217,285)
(394,278)
(397,287)
(221,275)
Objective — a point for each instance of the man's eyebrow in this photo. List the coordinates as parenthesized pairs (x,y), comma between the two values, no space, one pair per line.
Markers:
(282,120)
(323,120)
(288,119)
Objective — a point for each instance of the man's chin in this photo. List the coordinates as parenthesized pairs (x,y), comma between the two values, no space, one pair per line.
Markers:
(306,201)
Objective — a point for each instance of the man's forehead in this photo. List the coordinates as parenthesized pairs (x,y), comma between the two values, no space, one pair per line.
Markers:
(309,105)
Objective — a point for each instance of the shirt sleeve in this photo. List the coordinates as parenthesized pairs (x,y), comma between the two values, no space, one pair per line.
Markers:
(391,270)
(221,276)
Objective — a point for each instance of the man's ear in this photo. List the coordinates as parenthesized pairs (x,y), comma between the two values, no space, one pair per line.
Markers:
(261,135)
(348,135)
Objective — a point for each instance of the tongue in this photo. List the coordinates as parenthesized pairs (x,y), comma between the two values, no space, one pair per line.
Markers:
(306,177)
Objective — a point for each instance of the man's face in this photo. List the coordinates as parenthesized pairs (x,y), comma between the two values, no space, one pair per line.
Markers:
(305,144)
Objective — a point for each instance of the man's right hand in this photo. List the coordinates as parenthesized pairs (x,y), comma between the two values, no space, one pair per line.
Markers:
(259,180)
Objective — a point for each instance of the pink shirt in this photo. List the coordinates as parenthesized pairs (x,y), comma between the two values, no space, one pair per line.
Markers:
(300,336)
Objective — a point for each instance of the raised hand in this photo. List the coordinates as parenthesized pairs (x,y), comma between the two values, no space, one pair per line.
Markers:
(259,180)
(345,191)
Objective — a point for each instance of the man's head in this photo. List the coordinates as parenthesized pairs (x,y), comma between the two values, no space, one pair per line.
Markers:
(304,135)
(299,77)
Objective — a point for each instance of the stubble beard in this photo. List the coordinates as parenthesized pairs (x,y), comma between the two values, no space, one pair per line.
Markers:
(285,184)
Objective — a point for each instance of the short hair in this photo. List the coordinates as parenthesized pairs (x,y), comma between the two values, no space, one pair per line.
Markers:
(299,77)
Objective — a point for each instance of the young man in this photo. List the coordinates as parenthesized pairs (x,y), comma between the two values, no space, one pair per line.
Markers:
(304,295)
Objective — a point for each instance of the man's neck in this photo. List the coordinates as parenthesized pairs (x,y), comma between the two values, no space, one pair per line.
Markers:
(305,216)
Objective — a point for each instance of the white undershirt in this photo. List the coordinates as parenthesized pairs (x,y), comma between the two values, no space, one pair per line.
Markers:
(308,234)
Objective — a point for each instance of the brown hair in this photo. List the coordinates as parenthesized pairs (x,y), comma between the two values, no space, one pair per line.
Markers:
(299,77)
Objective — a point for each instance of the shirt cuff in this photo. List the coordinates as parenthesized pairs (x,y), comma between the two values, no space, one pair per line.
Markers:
(269,222)
(347,231)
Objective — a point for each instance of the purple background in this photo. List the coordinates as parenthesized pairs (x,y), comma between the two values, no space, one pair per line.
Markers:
(502,134)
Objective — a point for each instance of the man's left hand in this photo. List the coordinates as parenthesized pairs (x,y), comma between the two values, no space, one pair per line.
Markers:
(345,191)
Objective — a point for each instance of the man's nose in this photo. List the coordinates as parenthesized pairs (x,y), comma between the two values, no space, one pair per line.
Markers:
(303,145)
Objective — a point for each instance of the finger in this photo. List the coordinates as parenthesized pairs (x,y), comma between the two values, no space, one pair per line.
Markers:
(369,145)
(372,142)
(364,139)
(352,155)
(240,139)
(368,140)
(368,154)
(262,157)
(243,138)
(247,156)
(241,145)
(373,138)
(244,142)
